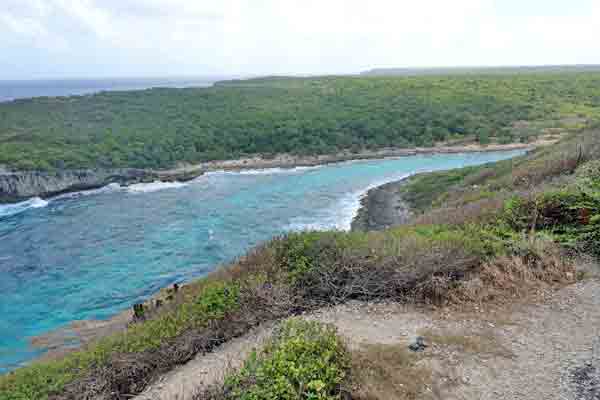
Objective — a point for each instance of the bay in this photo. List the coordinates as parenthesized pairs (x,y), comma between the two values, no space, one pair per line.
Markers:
(91,255)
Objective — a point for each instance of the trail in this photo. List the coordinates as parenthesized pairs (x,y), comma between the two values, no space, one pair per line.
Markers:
(547,350)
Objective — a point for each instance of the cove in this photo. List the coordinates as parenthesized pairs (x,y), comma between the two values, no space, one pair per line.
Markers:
(92,255)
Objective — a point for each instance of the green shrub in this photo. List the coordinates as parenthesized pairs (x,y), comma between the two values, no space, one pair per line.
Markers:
(478,240)
(298,254)
(216,300)
(570,216)
(555,209)
(305,360)
(588,177)
(589,242)
(424,190)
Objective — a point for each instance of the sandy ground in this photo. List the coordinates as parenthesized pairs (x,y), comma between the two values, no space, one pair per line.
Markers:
(547,350)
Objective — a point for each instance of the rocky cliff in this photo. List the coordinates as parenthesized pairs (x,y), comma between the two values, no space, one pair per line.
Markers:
(17,186)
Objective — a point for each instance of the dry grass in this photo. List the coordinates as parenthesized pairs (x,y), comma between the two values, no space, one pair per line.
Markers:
(502,279)
(479,211)
(391,269)
(516,277)
(481,343)
(383,372)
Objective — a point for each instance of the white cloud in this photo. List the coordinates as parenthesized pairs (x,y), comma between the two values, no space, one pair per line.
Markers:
(150,37)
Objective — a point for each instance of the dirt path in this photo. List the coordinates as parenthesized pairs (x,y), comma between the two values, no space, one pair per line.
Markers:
(544,351)
(206,370)
(549,350)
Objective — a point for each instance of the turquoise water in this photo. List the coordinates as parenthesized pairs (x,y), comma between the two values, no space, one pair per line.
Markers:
(91,255)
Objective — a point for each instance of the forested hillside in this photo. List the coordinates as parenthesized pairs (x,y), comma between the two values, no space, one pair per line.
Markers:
(160,127)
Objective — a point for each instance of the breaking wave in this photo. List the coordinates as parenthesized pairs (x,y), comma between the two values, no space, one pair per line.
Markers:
(340,216)
(266,171)
(154,186)
(7,210)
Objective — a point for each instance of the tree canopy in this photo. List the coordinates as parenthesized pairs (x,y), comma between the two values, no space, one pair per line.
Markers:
(158,128)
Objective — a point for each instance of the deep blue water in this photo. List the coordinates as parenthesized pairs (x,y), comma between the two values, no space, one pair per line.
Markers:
(92,255)
(11,90)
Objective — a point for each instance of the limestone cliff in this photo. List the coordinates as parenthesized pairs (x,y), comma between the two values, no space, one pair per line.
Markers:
(17,186)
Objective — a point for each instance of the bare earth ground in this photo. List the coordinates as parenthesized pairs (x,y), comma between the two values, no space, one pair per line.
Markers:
(546,350)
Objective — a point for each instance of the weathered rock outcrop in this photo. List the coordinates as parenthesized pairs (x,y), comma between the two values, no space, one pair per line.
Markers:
(17,186)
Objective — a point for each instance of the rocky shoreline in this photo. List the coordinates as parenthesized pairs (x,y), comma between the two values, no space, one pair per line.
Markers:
(18,186)
(382,208)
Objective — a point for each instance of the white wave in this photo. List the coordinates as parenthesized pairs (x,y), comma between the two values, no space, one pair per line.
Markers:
(265,171)
(112,187)
(7,210)
(340,216)
(297,225)
(154,186)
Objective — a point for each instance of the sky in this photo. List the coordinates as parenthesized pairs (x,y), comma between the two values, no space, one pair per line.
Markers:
(155,38)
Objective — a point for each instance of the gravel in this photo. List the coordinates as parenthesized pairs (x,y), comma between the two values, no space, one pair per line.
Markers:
(549,350)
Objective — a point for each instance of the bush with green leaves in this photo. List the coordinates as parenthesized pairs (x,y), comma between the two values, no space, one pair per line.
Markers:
(304,361)
(571,216)
(588,177)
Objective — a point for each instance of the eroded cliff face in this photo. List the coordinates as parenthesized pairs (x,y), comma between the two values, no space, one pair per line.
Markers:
(17,186)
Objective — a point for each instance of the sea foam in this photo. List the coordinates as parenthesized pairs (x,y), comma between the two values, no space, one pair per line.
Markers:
(266,171)
(7,210)
(340,216)
(154,186)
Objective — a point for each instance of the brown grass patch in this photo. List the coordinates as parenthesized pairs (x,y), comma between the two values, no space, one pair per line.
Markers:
(482,343)
(502,279)
(392,269)
(383,372)
(479,211)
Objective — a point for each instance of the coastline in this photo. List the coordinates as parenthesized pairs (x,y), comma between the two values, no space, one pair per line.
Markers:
(21,186)
(381,208)
(292,161)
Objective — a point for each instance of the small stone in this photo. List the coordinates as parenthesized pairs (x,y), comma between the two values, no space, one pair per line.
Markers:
(418,345)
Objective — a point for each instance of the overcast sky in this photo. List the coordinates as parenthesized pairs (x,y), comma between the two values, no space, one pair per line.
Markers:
(107,38)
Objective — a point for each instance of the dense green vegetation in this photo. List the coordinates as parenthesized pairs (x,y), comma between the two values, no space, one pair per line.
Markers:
(535,212)
(482,70)
(161,127)
(305,360)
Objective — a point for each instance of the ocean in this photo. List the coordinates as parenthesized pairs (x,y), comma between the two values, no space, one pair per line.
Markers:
(11,90)
(93,254)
